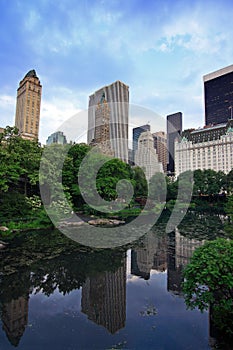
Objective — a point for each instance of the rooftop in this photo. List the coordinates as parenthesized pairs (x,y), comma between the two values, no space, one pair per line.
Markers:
(218,73)
(208,128)
(31,74)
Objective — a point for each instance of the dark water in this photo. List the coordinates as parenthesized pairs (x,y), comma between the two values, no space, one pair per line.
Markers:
(56,294)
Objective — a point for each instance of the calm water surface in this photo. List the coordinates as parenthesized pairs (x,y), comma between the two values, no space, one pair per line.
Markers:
(56,294)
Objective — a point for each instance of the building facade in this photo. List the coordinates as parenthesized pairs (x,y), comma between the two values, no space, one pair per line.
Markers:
(102,128)
(218,93)
(146,156)
(207,148)
(116,96)
(174,129)
(136,134)
(27,118)
(56,137)
(160,144)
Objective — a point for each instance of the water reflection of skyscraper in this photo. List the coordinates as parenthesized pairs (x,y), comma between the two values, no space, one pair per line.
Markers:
(152,255)
(104,298)
(15,318)
(180,250)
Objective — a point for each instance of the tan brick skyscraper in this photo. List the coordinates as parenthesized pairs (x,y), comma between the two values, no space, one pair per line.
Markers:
(27,118)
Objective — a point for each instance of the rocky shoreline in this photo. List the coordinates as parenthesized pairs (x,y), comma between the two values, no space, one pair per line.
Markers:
(93,222)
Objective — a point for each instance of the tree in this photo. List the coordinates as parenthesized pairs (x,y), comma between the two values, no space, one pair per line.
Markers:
(229,182)
(140,182)
(209,282)
(157,187)
(70,171)
(20,161)
(108,177)
(229,207)
(208,182)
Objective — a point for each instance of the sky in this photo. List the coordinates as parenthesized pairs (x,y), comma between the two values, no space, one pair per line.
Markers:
(160,48)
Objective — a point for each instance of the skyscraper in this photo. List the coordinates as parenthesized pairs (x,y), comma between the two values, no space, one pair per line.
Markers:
(218,90)
(136,134)
(56,137)
(174,129)
(160,144)
(116,96)
(146,156)
(27,118)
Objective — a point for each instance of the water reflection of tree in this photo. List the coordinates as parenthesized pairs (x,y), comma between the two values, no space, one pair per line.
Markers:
(65,273)
(202,226)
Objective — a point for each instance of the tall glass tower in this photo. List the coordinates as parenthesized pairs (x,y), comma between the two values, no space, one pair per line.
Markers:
(174,129)
(218,90)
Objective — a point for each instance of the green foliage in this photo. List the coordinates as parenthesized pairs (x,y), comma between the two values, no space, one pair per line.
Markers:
(140,183)
(51,171)
(108,177)
(229,207)
(70,171)
(172,188)
(209,281)
(157,187)
(229,182)
(208,182)
(20,161)
(13,205)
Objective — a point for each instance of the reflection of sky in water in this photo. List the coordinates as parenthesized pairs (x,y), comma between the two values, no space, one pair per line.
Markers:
(58,323)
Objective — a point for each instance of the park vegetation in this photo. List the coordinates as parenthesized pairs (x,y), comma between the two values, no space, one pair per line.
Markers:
(21,204)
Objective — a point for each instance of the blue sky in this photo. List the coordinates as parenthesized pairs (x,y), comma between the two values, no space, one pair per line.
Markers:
(161,49)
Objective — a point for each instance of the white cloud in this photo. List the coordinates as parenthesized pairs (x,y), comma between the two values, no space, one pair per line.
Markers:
(32,20)
(53,114)
(7,108)
(7,101)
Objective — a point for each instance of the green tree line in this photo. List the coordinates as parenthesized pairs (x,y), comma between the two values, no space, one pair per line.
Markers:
(20,162)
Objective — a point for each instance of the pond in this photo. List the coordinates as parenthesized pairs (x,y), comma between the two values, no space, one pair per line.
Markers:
(57,294)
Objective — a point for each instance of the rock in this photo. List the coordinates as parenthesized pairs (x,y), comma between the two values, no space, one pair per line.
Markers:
(3,245)
(71,223)
(111,222)
(4,228)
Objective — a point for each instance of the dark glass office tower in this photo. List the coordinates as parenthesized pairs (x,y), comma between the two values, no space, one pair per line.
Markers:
(218,90)
(174,129)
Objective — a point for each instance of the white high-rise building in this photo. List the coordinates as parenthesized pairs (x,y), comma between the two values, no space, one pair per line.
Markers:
(146,156)
(116,96)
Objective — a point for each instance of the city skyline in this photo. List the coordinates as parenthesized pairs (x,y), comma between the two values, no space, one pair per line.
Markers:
(160,49)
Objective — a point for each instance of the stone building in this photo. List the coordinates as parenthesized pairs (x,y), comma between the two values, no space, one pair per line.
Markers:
(146,156)
(27,118)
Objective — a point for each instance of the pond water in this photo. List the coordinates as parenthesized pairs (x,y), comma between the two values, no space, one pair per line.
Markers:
(56,294)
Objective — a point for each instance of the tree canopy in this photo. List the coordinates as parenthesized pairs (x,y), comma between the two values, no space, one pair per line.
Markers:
(209,282)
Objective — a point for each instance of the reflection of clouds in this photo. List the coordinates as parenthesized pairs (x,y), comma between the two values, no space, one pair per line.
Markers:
(156,272)
(132,278)
(56,304)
